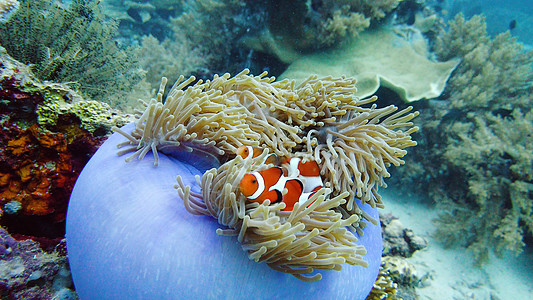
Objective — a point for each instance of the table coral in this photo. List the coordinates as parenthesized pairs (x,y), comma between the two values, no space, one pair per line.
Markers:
(383,57)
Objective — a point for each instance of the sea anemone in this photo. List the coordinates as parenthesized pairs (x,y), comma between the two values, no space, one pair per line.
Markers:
(130,218)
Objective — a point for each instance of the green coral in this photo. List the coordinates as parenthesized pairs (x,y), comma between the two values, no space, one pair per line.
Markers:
(93,115)
(74,44)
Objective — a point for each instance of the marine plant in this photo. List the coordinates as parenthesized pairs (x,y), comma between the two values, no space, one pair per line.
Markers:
(320,120)
(74,44)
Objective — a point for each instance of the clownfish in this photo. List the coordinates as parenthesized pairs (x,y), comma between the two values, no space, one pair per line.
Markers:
(295,182)
(308,172)
(246,151)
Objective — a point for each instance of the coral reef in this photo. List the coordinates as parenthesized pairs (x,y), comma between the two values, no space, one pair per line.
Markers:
(398,278)
(320,120)
(396,58)
(475,145)
(173,56)
(398,240)
(73,44)
(304,26)
(27,272)
(42,159)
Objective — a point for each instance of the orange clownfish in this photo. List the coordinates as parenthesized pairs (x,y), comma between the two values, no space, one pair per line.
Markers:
(302,181)
(247,151)
(308,172)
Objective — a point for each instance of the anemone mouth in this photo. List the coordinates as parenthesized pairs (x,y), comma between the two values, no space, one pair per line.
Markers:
(351,139)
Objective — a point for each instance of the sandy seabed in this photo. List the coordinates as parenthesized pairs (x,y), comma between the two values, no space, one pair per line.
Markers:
(453,275)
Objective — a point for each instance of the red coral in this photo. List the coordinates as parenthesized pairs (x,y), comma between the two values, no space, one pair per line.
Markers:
(38,170)
(39,166)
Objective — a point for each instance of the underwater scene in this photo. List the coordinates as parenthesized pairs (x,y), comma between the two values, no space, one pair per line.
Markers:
(240,149)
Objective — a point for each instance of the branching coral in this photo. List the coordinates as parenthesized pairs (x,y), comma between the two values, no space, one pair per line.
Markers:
(227,21)
(489,69)
(304,26)
(321,120)
(497,165)
(173,56)
(478,142)
(341,20)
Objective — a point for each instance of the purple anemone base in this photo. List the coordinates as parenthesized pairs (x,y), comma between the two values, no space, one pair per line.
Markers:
(130,237)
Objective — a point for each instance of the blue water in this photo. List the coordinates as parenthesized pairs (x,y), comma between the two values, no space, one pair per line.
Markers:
(204,38)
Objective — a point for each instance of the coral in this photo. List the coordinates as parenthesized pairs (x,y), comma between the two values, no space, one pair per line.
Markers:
(343,24)
(314,25)
(397,277)
(489,68)
(27,272)
(173,56)
(401,271)
(71,44)
(7,9)
(384,287)
(496,163)
(301,27)
(93,115)
(227,21)
(373,9)
(381,58)
(475,145)
(39,164)
(398,240)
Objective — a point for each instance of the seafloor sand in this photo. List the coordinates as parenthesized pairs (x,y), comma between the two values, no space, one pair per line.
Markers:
(452,272)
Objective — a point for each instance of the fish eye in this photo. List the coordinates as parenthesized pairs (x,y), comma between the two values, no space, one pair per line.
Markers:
(254,181)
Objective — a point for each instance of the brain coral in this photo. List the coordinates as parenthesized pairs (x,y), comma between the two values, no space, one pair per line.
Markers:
(128,233)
